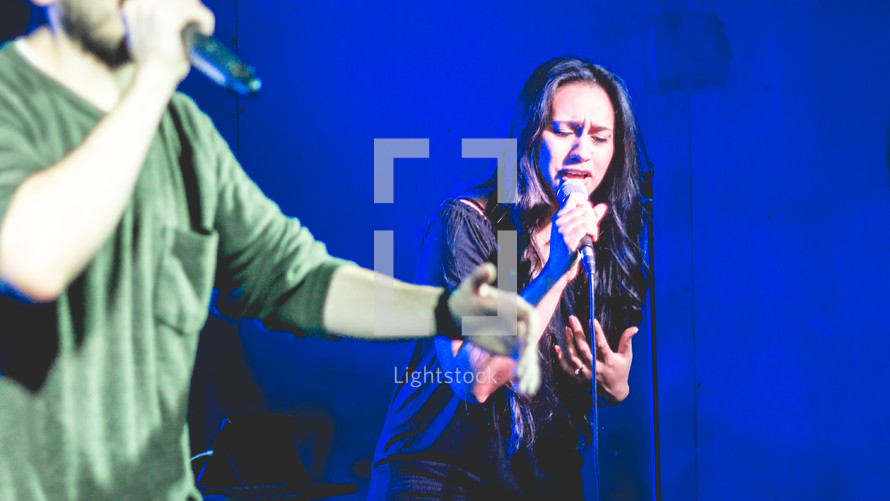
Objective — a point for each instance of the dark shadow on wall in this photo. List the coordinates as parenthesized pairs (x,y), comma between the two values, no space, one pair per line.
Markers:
(18,18)
(690,52)
(225,389)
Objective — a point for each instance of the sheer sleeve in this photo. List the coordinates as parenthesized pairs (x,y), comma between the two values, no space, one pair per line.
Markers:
(457,240)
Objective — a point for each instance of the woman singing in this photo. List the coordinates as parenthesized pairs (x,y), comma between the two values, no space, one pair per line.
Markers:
(458,437)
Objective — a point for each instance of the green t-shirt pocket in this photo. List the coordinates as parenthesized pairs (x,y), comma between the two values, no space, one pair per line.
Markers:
(185,279)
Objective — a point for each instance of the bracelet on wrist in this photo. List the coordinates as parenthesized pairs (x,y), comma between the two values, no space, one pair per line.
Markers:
(445,324)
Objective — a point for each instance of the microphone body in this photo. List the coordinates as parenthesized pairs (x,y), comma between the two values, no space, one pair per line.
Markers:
(212,58)
(567,189)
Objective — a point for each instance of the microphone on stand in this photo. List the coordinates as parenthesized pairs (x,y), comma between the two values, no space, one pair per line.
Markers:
(212,58)
(567,189)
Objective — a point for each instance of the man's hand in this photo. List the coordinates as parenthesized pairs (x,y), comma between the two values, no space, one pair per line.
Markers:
(505,334)
(154,32)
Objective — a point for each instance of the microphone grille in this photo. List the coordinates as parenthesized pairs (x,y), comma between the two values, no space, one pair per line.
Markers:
(569,188)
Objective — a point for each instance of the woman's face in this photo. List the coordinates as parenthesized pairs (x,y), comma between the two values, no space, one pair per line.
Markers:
(578,143)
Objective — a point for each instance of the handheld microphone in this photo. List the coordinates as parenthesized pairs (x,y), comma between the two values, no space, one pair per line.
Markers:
(212,58)
(565,190)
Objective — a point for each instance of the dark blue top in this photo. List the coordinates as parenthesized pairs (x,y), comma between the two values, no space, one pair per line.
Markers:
(429,420)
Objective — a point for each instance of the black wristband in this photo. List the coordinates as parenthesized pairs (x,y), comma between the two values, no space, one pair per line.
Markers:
(445,324)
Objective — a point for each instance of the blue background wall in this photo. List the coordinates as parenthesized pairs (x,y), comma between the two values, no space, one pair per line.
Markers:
(768,125)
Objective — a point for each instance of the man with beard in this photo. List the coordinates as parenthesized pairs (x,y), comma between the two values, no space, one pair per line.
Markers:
(121,208)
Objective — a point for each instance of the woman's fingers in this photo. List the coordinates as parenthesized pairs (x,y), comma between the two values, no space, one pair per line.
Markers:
(573,224)
(562,361)
(602,345)
(576,368)
(624,345)
(572,350)
(599,212)
(581,344)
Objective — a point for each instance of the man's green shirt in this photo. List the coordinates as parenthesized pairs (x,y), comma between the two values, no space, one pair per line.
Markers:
(94,386)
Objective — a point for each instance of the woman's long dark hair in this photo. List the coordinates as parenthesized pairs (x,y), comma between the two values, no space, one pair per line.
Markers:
(621,282)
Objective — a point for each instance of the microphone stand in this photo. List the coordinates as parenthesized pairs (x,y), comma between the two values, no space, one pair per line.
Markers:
(590,268)
(647,172)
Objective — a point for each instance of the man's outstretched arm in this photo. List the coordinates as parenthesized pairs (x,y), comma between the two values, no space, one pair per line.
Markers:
(352,308)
